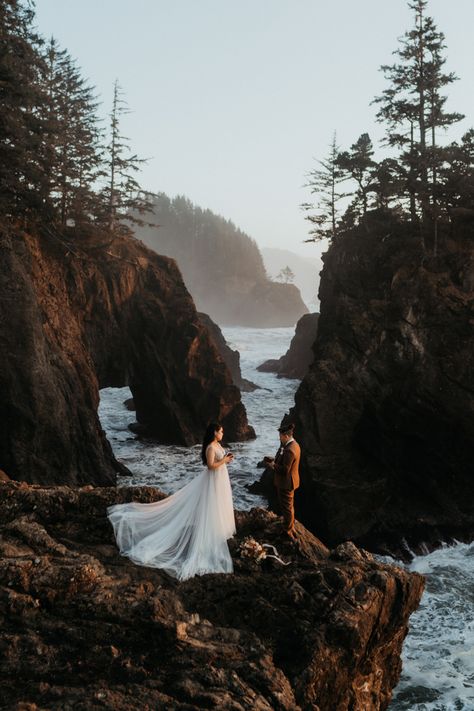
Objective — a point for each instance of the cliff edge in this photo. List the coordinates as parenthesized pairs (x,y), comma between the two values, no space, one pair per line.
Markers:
(84,628)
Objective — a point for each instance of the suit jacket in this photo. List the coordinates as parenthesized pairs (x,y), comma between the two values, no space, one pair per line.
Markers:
(286,470)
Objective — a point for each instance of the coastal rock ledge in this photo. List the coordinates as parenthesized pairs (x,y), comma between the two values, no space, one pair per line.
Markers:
(84,628)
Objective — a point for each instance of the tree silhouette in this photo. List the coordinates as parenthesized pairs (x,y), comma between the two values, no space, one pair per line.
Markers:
(72,139)
(413,108)
(123,199)
(22,173)
(358,164)
(286,275)
(324,182)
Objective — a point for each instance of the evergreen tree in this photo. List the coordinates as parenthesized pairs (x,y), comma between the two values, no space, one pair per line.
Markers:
(386,179)
(358,165)
(123,199)
(286,275)
(72,137)
(22,174)
(324,183)
(414,108)
(456,186)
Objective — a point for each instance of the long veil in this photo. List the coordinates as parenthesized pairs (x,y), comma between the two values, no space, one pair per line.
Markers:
(186,533)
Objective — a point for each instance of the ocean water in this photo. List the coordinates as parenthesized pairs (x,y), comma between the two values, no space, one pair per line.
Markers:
(438,654)
(170,467)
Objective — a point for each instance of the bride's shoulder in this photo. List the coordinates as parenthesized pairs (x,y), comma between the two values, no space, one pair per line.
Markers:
(211,448)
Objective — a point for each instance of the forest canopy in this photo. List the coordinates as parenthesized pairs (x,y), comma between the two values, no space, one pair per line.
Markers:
(421,180)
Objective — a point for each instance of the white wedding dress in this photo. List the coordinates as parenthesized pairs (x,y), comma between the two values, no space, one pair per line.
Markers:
(186,533)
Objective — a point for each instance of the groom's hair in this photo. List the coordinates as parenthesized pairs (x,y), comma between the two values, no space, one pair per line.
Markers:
(286,428)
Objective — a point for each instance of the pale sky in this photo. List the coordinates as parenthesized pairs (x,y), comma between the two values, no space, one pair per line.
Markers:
(233,100)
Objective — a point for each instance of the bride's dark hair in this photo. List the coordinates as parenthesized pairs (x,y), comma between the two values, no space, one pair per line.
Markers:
(209,435)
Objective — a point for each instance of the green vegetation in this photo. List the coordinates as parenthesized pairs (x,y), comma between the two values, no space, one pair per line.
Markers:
(58,167)
(421,181)
(209,249)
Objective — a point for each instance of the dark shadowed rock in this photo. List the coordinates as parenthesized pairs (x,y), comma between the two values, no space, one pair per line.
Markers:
(231,358)
(299,356)
(82,316)
(83,628)
(384,415)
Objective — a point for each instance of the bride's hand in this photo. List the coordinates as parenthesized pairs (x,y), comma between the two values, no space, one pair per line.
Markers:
(228,457)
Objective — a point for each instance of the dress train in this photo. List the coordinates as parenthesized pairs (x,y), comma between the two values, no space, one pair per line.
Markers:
(186,533)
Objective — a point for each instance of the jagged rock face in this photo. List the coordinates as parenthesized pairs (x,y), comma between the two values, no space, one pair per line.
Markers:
(299,356)
(83,627)
(231,358)
(385,413)
(79,318)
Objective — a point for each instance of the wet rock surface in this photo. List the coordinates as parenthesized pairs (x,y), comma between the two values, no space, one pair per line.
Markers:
(384,415)
(84,628)
(78,315)
(299,356)
(230,357)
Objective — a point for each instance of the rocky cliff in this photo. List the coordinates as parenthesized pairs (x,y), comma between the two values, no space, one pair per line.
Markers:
(76,316)
(86,629)
(384,415)
(222,266)
(230,357)
(299,356)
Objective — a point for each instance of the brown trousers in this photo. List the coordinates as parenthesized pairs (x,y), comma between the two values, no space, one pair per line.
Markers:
(286,500)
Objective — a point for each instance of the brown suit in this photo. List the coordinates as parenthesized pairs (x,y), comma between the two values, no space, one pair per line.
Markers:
(286,479)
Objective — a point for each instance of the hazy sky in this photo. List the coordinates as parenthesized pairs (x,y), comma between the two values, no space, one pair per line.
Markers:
(233,100)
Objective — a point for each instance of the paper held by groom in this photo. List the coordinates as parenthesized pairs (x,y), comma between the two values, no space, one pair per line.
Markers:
(286,476)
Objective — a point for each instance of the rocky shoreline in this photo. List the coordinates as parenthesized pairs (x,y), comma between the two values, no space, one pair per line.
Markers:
(84,628)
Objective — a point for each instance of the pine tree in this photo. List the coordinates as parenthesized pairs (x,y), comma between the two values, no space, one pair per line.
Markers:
(72,137)
(414,108)
(456,186)
(385,184)
(122,196)
(358,165)
(22,175)
(324,183)
(286,275)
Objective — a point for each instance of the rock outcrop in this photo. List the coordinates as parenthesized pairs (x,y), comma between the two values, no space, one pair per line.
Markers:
(222,266)
(384,415)
(299,356)
(76,316)
(231,358)
(84,628)
(264,304)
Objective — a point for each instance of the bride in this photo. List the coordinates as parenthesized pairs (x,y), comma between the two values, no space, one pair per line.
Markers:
(186,533)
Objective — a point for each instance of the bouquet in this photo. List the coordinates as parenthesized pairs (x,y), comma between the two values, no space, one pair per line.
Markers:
(252,549)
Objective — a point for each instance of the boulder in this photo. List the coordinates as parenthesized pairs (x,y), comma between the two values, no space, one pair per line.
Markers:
(231,358)
(84,628)
(299,356)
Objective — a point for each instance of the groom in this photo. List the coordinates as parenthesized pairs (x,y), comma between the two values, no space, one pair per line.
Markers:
(286,476)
